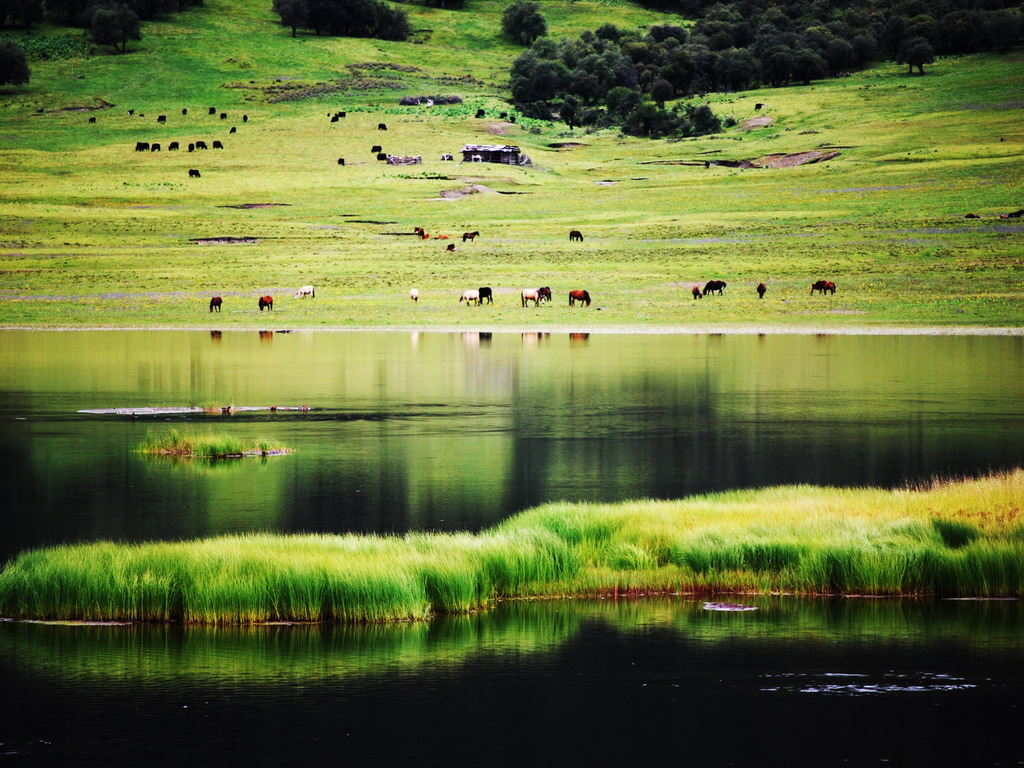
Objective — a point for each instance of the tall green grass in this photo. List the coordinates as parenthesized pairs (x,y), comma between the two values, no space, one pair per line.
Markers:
(207,446)
(959,538)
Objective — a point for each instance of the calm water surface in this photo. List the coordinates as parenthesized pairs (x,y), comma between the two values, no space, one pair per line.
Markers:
(436,431)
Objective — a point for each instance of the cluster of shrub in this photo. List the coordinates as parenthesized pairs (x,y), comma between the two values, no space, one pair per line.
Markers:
(415,101)
(610,76)
(352,18)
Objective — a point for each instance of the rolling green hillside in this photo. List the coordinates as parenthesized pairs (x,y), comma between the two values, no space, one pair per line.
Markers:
(94,234)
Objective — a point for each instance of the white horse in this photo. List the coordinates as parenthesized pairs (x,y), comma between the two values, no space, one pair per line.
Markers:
(414,294)
(304,291)
(470,297)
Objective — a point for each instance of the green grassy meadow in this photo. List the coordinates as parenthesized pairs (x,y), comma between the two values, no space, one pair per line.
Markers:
(94,234)
(951,539)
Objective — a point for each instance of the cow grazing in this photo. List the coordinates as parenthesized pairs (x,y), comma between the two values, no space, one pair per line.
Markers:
(223,115)
(450,247)
(503,115)
(191,147)
(334,119)
(154,147)
(131,112)
(414,294)
(341,161)
(761,288)
(267,303)
(173,146)
(213,110)
(382,127)
(382,156)
(486,294)
(142,146)
(972,216)
(757,106)
(375,148)
(201,145)
(233,129)
(92,119)
(575,236)
(696,292)
(184,111)
(245,118)
(304,291)
(217,144)
(215,303)
(161,118)
(480,113)
(193,173)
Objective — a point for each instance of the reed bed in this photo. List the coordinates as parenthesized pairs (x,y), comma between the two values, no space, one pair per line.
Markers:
(208,446)
(954,539)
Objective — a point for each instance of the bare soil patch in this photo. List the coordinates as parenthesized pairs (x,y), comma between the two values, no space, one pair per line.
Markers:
(248,206)
(472,189)
(222,240)
(763,121)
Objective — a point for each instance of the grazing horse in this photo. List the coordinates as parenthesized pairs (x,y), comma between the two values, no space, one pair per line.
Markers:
(580,296)
(215,303)
(531,294)
(470,236)
(714,285)
(267,302)
(696,292)
(486,294)
(304,291)
(470,297)
(824,286)
(414,294)
(544,294)
(761,288)
(575,235)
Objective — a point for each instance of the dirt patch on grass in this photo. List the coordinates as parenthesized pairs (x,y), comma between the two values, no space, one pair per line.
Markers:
(248,206)
(223,240)
(472,189)
(751,123)
(795,159)
(566,144)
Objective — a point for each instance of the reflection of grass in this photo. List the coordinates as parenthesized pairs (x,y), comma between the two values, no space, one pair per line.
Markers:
(208,446)
(952,539)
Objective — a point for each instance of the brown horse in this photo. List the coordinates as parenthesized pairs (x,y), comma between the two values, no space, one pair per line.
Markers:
(761,288)
(696,292)
(575,236)
(215,303)
(824,286)
(470,236)
(266,302)
(544,294)
(580,296)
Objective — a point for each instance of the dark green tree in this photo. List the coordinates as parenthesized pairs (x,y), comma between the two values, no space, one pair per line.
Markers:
(13,66)
(662,91)
(293,13)
(22,12)
(523,22)
(917,53)
(114,25)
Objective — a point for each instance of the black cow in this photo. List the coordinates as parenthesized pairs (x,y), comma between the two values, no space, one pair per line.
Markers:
(213,110)
(761,288)
(714,286)
(382,156)
(193,173)
(191,147)
(217,144)
(375,148)
(131,112)
(233,129)
(223,115)
(341,161)
(480,113)
(201,145)
(161,118)
(486,294)
(184,111)
(382,126)
(172,146)
(245,118)
(757,106)
(503,115)
(92,119)
(334,119)
(154,147)
(141,146)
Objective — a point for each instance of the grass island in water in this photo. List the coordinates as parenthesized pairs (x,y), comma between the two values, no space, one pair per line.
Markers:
(951,539)
(209,446)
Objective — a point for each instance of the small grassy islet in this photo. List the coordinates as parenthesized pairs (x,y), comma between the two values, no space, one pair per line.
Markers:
(953,539)
(209,446)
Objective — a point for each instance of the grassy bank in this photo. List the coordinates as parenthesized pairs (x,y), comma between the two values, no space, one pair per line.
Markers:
(952,539)
(94,234)
(208,446)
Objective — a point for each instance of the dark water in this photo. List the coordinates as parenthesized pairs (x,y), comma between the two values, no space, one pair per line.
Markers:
(796,683)
(457,431)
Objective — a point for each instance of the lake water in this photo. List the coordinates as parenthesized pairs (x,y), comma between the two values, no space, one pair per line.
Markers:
(450,431)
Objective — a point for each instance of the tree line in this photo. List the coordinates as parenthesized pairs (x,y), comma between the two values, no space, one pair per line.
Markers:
(351,18)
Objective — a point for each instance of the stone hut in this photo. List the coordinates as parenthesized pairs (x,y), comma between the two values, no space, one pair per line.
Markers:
(493,153)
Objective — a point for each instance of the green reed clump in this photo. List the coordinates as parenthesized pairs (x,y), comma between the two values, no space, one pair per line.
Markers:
(954,539)
(207,446)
